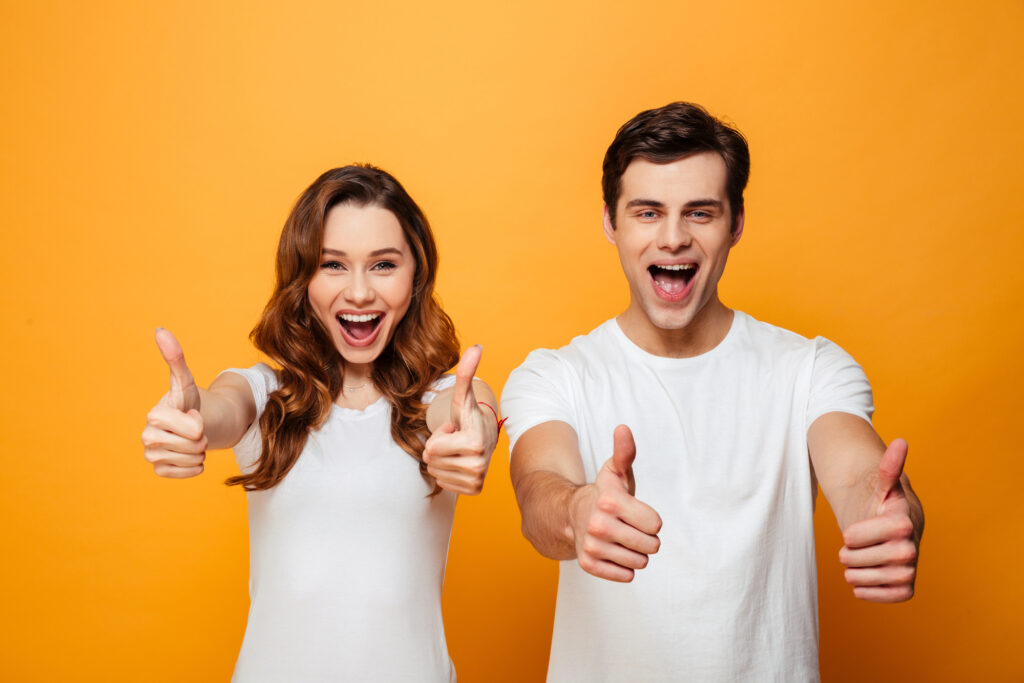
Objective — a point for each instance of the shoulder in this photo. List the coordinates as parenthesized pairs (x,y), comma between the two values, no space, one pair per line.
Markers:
(262,379)
(578,353)
(443,382)
(764,335)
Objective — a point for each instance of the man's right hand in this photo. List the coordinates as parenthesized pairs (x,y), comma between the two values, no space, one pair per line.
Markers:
(174,439)
(614,532)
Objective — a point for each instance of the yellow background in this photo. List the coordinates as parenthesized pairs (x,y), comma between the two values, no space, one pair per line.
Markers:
(151,151)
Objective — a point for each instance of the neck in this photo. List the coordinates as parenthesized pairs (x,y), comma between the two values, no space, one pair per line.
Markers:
(357,388)
(704,332)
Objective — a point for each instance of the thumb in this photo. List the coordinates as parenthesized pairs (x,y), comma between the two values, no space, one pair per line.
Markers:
(184,393)
(463,398)
(623,455)
(890,468)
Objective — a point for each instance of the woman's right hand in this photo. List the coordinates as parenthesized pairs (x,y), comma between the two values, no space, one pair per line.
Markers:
(174,439)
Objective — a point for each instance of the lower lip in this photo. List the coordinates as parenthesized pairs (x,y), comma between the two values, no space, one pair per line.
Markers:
(673,297)
(360,343)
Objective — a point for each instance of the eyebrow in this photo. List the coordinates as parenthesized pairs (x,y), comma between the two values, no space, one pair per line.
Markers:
(373,254)
(692,204)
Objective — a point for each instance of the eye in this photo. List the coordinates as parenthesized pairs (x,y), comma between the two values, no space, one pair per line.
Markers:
(701,215)
(384,266)
(331,265)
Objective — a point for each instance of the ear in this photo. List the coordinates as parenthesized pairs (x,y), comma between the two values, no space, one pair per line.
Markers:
(738,231)
(609,229)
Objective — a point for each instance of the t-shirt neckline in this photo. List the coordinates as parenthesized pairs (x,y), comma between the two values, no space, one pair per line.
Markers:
(738,319)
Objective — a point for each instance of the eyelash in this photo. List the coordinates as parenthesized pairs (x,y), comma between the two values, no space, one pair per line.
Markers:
(335,265)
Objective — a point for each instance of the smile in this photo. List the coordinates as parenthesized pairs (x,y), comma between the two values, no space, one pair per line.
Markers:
(360,329)
(673,282)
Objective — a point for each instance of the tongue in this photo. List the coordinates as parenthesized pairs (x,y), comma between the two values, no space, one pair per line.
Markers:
(360,330)
(670,281)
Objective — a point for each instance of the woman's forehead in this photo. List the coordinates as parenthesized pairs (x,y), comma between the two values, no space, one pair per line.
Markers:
(354,229)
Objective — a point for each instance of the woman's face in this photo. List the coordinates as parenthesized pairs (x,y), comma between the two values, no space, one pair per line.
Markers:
(363,285)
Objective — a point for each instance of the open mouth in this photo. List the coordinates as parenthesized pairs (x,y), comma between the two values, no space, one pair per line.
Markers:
(360,329)
(673,280)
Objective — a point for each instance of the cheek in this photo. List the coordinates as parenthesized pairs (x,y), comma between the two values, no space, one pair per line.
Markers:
(318,295)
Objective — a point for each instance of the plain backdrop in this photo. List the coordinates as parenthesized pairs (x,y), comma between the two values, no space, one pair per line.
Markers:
(149,153)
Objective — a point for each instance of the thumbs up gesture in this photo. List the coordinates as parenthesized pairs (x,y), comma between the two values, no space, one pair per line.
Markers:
(614,532)
(458,453)
(174,439)
(880,551)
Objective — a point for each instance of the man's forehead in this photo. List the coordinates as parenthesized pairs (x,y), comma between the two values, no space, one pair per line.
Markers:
(701,175)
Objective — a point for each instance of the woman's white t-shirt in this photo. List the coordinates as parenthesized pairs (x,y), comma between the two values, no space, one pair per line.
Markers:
(347,556)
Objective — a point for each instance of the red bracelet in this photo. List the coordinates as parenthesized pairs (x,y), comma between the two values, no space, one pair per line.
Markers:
(500,422)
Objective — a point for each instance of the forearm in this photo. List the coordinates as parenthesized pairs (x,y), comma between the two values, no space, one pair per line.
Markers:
(227,410)
(545,499)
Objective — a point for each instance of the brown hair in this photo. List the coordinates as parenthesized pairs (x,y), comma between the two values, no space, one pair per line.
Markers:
(668,134)
(423,347)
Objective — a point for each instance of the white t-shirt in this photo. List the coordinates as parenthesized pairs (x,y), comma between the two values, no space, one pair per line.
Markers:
(347,556)
(721,444)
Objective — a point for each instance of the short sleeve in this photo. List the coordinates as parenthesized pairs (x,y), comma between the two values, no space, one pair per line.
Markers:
(438,385)
(263,381)
(537,391)
(838,384)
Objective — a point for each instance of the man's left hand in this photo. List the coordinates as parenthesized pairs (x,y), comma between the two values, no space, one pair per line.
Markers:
(880,551)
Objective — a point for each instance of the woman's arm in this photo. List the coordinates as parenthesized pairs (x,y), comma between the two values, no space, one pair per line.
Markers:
(464,431)
(187,420)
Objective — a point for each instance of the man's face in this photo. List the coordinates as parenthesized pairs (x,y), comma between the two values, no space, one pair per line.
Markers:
(673,233)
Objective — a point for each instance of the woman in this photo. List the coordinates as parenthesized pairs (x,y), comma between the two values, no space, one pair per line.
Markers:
(352,453)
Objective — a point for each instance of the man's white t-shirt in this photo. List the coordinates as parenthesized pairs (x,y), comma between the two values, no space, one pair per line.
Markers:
(347,556)
(721,442)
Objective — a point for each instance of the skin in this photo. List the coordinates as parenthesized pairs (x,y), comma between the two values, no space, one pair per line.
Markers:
(679,213)
(366,267)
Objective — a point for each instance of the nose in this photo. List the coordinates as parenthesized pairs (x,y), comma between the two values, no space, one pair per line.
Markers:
(674,234)
(359,290)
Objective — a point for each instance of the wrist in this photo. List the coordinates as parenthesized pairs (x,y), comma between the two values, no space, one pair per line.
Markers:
(579,496)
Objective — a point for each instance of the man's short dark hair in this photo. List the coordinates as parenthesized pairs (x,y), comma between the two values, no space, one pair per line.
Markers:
(670,133)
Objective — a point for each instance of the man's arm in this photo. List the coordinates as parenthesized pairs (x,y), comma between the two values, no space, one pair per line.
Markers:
(880,516)
(602,525)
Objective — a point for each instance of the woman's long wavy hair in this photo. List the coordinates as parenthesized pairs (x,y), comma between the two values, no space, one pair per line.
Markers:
(423,347)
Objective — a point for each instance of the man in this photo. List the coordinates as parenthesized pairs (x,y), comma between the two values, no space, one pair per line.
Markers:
(704,569)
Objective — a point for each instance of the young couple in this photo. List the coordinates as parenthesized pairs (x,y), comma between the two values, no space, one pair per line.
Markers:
(681,428)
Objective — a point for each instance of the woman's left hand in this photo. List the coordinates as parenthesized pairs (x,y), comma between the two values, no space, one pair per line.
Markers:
(458,453)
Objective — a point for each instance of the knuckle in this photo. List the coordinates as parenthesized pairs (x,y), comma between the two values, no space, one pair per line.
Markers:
(606,502)
(908,553)
(596,526)
(904,528)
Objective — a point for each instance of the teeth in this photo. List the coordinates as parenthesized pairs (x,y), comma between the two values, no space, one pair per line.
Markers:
(353,318)
(681,266)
